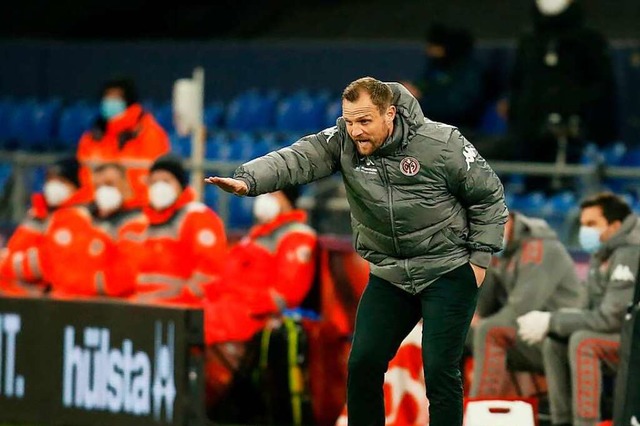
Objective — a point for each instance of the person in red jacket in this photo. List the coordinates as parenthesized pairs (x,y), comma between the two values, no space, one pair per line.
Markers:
(89,250)
(185,243)
(269,270)
(125,133)
(21,269)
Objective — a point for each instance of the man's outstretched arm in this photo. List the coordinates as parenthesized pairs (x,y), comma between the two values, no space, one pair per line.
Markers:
(311,158)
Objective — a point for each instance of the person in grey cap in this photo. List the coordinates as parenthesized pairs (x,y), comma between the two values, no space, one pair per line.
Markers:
(427,212)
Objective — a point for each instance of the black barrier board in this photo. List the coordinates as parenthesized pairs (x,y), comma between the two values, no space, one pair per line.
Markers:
(90,362)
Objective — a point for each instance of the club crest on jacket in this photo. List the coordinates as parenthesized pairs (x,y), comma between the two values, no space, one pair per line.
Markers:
(409,166)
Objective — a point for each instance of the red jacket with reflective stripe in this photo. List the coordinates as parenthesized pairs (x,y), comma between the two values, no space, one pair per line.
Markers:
(183,253)
(84,255)
(21,269)
(267,271)
(134,140)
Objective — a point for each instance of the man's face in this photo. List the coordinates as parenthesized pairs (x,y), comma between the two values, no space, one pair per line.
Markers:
(368,128)
(113,93)
(111,176)
(165,176)
(435,51)
(594,218)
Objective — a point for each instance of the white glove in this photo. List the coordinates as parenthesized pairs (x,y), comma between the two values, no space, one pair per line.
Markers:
(533,326)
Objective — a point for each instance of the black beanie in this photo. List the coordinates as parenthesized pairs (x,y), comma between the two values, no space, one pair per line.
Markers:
(172,164)
(128,87)
(292,193)
(66,168)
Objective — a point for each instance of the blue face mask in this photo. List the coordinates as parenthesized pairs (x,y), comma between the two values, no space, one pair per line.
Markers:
(589,238)
(110,107)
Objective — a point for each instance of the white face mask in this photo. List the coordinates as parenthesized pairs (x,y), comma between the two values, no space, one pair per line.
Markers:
(56,193)
(108,198)
(162,195)
(552,7)
(266,208)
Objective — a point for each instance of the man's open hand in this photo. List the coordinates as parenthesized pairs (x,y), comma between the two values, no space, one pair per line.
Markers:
(231,185)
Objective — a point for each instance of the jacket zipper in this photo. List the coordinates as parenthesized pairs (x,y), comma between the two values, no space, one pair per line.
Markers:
(390,200)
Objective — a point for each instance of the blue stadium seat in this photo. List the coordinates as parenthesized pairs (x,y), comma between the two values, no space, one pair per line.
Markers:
(614,153)
(251,111)
(241,147)
(37,178)
(591,155)
(211,196)
(213,115)
(334,111)
(148,104)
(6,106)
(74,121)
(21,123)
(240,212)
(164,116)
(491,123)
(631,158)
(180,145)
(217,146)
(514,183)
(287,139)
(301,112)
(5,175)
(45,121)
(261,147)
(561,202)
(530,204)
(270,139)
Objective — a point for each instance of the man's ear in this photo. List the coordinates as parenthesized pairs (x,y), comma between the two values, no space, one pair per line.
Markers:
(391,114)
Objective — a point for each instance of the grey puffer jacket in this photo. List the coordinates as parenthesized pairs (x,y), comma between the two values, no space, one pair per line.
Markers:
(535,272)
(422,205)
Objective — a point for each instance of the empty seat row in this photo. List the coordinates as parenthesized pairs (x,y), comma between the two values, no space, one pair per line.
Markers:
(234,146)
(52,124)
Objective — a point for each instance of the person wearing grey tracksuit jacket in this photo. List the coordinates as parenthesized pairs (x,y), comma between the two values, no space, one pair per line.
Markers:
(427,213)
(534,272)
(579,343)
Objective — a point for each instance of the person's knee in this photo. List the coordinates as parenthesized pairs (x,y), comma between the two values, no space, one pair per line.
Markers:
(366,360)
(549,347)
(577,343)
(497,334)
(439,369)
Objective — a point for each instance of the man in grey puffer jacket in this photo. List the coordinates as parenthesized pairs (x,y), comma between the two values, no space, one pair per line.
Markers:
(427,213)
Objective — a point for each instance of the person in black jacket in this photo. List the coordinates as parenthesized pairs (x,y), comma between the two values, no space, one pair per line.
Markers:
(451,87)
(561,86)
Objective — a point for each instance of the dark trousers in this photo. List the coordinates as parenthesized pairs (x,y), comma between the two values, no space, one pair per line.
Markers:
(386,314)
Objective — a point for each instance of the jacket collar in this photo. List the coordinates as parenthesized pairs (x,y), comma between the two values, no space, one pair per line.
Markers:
(397,139)
(409,118)
(629,233)
(40,209)
(128,120)
(267,228)
(157,217)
